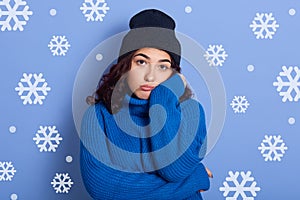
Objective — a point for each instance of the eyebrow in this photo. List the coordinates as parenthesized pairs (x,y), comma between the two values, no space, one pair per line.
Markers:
(147,57)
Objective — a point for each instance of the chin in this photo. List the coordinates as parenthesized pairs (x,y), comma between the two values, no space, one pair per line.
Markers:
(142,96)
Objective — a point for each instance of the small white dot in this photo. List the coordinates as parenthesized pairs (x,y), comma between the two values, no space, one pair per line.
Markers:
(69,159)
(292,120)
(52,12)
(292,11)
(99,57)
(13,197)
(12,129)
(188,9)
(250,68)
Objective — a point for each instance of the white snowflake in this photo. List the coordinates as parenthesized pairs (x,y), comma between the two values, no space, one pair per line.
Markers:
(293,83)
(62,183)
(272,150)
(59,45)
(92,10)
(17,14)
(264,26)
(47,141)
(215,55)
(239,189)
(7,171)
(239,104)
(34,89)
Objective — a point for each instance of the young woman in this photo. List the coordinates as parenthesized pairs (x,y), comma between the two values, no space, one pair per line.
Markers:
(144,136)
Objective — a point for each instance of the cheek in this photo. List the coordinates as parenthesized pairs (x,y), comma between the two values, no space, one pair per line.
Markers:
(163,77)
(133,79)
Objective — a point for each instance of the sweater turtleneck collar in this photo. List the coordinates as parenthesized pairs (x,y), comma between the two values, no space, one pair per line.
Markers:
(137,107)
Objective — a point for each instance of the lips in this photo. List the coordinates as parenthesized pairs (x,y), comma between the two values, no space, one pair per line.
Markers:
(146,87)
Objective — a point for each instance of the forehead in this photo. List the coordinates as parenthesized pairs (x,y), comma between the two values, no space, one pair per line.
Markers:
(153,53)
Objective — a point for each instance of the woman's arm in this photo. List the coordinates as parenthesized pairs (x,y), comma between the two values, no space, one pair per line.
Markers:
(190,132)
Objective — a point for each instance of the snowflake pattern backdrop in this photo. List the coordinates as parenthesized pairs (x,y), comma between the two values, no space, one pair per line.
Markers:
(252,44)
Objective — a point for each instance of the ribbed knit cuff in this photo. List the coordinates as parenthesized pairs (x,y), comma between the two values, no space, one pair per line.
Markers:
(172,85)
(175,84)
(200,178)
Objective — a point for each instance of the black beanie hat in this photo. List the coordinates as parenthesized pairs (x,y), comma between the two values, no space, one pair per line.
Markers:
(151,28)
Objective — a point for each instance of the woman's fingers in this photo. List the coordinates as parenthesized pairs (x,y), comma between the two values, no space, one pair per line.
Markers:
(210,175)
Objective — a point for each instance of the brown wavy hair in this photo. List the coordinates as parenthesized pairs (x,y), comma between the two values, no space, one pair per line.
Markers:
(113,87)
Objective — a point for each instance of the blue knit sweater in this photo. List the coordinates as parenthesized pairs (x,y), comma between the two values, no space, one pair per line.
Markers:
(150,149)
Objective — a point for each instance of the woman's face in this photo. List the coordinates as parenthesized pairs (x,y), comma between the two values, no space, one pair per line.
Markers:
(149,67)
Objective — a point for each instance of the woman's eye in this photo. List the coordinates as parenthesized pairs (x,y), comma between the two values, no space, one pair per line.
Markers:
(163,67)
(140,62)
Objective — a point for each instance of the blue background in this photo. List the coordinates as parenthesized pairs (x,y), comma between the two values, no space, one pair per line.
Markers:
(210,22)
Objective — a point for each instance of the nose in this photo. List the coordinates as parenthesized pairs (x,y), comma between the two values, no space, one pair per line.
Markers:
(150,75)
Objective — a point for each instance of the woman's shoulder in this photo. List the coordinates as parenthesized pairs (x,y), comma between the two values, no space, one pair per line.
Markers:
(95,110)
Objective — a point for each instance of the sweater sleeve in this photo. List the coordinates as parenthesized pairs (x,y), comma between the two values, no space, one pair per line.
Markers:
(190,136)
(88,164)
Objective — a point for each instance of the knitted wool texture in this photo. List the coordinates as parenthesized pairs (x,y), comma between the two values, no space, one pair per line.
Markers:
(109,175)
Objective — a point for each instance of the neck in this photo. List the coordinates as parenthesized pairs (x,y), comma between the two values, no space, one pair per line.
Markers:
(138,107)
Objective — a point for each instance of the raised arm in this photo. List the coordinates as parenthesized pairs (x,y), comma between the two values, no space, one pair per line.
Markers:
(184,132)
